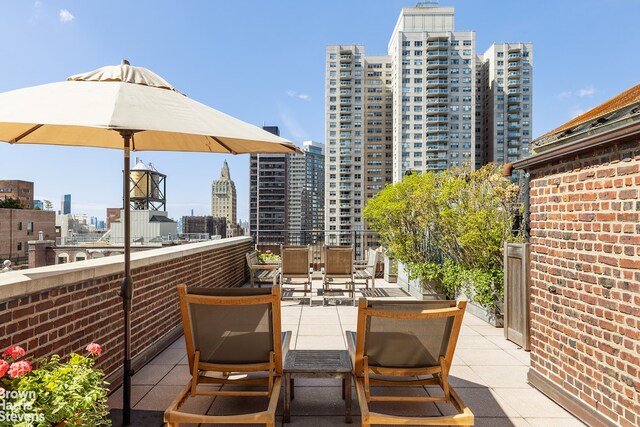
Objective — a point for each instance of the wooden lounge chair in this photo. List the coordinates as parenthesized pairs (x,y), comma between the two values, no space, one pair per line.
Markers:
(404,340)
(338,271)
(260,272)
(226,331)
(294,269)
(367,272)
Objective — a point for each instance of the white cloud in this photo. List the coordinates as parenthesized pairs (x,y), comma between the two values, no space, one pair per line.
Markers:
(581,93)
(294,94)
(587,91)
(575,112)
(66,16)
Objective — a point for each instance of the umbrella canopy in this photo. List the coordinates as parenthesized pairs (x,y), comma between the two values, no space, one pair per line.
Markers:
(128,108)
(78,111)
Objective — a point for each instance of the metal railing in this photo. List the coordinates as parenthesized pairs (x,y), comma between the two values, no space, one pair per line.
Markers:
(270,240)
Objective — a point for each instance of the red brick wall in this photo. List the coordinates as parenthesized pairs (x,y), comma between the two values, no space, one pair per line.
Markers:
(85,305)
(585,278)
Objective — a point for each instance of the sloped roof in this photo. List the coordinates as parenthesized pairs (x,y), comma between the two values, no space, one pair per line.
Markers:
(616,107)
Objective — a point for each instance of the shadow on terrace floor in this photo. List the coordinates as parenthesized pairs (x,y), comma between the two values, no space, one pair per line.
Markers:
(488,372)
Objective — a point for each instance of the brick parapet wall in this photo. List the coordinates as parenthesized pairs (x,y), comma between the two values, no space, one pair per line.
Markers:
(59,309)
(585,278)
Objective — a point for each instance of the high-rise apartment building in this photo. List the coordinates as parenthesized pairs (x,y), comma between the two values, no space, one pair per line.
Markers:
(268,196)
(434,91)
(305,212)
(506,78)
(358,113)
(431,103)
(224,200)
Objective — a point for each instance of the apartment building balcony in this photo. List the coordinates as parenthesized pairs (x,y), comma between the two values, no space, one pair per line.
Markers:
(514,143)
(346,58)
(438,72)
(437,44)
(436,110)
(345,76)
(514,108)
(436,147)
(431,82)
(437,91)
(438,137)
(437,100)
(513,100)
(430,129)
(437,63)
(512,65)
(437,54)
(514,116)
(345,100)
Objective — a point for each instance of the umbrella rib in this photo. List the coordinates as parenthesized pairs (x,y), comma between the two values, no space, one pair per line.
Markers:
(223,145)
(24,134)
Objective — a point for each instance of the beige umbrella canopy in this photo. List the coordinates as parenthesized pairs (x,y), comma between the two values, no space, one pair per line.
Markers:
(78,112)
(127,108)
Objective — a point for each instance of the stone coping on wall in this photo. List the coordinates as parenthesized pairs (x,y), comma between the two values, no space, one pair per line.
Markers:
(24,282)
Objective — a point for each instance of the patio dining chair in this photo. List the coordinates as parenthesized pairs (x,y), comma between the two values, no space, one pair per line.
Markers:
(295,269)
(367,272)
(229,331)
(406,344)
(338,271)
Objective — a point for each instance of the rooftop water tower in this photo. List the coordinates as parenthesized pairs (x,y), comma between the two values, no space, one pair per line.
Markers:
(148,187)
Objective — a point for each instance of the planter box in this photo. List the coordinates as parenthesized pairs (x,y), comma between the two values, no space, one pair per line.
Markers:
(390,270)
(493,317)
(418,289)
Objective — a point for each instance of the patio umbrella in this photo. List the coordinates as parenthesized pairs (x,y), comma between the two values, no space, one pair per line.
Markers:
(131,109)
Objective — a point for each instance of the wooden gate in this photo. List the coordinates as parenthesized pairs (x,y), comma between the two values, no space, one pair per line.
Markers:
(516,293)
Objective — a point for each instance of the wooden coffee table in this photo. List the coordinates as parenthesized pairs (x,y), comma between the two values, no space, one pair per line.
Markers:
(317,364)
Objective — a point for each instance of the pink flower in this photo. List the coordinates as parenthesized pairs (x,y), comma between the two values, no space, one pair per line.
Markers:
(94,349)
(18,369)
(4,365)
(13,352)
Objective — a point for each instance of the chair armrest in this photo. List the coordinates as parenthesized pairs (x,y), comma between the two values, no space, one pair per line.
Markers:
(351,346)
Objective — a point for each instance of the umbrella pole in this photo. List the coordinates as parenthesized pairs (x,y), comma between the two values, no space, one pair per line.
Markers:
(126,289)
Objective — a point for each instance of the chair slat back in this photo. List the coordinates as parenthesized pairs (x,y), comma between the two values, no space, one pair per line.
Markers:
(338,261)
(406,336)
(295,260)
(252,258)
(231,326)
(372,262)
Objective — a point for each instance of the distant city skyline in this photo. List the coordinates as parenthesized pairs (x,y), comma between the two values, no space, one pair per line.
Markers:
(270,71)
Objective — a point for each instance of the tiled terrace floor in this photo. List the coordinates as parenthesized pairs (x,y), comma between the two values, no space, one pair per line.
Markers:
(488,372)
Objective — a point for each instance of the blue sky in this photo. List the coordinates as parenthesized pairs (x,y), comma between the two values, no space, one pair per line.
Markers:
(263,62)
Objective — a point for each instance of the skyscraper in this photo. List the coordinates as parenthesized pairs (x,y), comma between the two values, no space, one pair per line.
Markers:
(507,87)
(430,104)
(305,212)
(224,200)
(268,196)
(65,207)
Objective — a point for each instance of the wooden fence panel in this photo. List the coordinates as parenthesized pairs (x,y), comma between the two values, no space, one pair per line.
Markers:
(516,293)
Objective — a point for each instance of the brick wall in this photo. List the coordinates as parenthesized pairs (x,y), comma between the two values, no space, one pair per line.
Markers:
(585,278)
(59,309)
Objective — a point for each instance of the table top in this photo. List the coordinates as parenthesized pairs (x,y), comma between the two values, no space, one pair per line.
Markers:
(317,361)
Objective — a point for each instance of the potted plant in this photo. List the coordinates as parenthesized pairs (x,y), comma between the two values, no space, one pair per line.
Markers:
(52,391)
(268,257)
